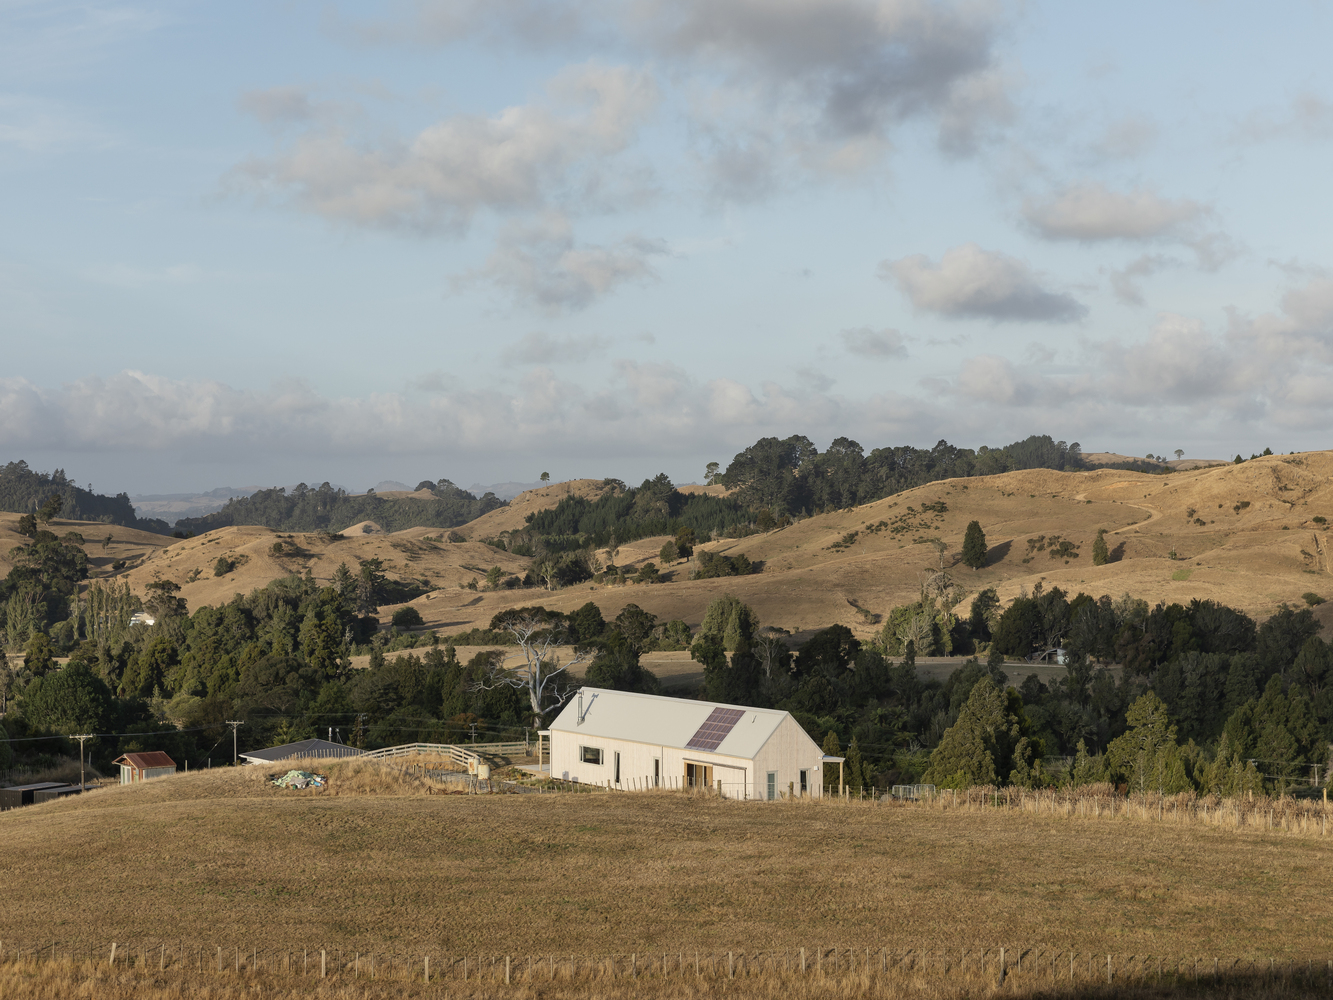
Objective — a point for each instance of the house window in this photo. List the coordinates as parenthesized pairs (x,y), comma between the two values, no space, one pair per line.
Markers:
(590,755)
(805,781)
(772,785)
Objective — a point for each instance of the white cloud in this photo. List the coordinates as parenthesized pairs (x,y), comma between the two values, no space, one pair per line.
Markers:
(523,159)
(886,343)
(989,378)
(1268,373)
(543,349)
(1091,212)
(972,282)
(644,408)
(541,264)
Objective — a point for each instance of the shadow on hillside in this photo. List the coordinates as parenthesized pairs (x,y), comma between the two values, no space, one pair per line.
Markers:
(1116,554)
(997,553)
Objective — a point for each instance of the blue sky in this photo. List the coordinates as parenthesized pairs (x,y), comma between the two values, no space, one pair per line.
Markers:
(255,243)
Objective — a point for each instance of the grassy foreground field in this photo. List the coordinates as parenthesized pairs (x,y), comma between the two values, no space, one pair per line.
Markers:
(221,859)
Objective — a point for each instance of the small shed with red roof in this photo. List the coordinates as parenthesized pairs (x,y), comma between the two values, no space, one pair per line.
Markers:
(136,767)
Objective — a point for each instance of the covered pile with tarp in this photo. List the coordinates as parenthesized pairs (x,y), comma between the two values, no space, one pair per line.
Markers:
(301,779)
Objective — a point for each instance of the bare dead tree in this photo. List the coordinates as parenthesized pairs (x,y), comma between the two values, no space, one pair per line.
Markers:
(540,673)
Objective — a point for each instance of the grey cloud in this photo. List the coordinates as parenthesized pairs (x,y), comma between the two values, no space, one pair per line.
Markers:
(278,105)
(831,76)
(859,63)
(1125,282)
(970,282)
(814,378)
(1308,117)
(521,159)
(543,349)
(1214,250)
(868,343)
(541,264)
(1127,137)
(1091,212)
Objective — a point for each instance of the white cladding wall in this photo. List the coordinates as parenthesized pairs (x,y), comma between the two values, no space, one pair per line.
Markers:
(787,751)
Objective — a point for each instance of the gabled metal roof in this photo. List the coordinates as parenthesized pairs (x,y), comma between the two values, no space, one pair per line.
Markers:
(668,722)
(147,759)
(301,748)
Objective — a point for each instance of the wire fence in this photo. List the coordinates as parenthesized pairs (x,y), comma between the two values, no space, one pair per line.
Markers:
(1035,965)
(1309,817)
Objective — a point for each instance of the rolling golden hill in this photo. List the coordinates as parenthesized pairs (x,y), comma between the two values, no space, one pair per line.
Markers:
(1245,535)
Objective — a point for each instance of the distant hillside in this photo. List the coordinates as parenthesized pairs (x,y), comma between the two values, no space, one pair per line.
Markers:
(173,506)
(790,476)
(325,508)
(23,491)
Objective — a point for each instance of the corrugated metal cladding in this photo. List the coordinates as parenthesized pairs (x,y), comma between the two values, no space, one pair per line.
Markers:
(26,795)
(148,759)
(671,722)
(301,748)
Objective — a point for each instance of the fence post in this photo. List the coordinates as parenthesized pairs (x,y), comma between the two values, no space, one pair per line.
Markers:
(427,968)
(802,961)
(731,967)
(1109,974)
(113,954)
(506,970)
(323,963)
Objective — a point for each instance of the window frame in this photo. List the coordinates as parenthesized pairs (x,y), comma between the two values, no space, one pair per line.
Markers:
(586,755)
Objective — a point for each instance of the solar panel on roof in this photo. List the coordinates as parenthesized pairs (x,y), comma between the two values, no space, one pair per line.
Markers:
(719,723)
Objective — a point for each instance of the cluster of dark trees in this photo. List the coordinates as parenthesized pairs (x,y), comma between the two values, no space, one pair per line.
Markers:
(1232,690)
(24,491)
(43,584)
(325,508)
(790,476)
(625,514)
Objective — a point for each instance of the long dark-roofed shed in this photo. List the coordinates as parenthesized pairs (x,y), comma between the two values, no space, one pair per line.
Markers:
(301,748)
(142,766)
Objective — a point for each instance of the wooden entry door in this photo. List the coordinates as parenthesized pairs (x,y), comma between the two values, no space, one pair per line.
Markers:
(698,775)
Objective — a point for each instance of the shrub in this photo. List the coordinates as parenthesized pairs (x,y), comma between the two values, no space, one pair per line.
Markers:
(407,617)
(711,565)
(1312,599)
(223,566)
(457,536)
(1319,519)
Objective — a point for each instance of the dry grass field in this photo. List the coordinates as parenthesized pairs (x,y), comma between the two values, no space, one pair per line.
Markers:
(381,864)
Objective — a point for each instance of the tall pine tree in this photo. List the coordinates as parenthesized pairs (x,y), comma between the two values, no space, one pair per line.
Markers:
(974,546)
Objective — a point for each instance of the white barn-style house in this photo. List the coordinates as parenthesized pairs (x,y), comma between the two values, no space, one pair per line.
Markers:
(635,741)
